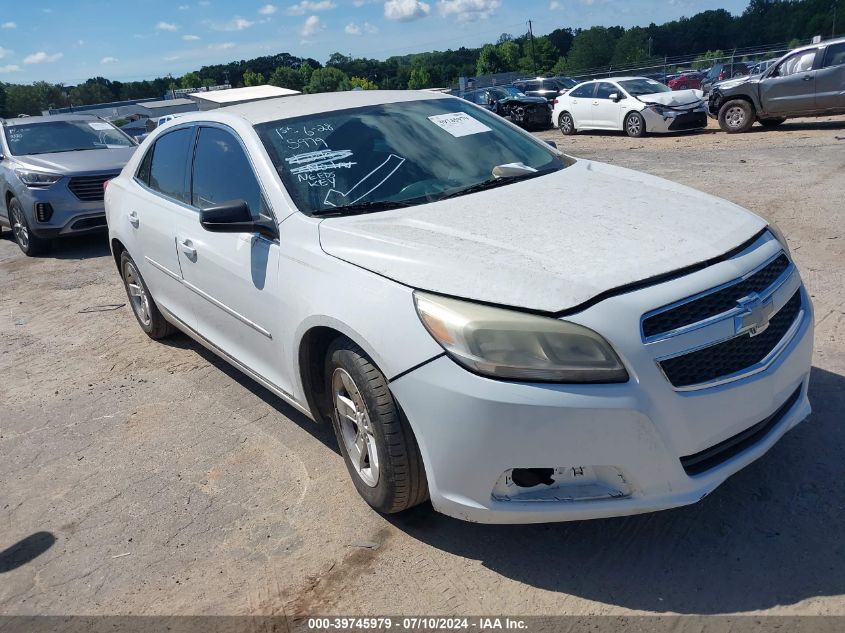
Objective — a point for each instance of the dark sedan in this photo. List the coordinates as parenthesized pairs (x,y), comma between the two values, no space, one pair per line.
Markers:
(510,103)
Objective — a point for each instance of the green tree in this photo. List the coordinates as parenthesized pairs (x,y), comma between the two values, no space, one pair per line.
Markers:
(208,82)
(253,79)
(287,77)
(327,80)
(561,67)
(631,48)
(305,72)
(419,78)
(545,54)
(362,82)
(489,61)
(592,48)
(508,52)
(191,80)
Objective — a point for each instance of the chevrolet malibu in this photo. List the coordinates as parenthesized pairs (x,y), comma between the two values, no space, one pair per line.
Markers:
(389,261)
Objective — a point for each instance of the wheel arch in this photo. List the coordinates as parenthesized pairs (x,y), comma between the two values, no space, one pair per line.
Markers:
(634,111)
(740,97)
(117,249)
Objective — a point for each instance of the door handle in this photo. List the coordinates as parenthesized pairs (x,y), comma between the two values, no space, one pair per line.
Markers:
(188,248)
(133,219)
(807,77)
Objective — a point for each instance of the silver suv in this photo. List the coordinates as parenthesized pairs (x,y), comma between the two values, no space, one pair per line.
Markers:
(52,174)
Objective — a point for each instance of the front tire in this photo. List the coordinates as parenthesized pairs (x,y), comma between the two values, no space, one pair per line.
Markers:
(771,123)
(375,439)
(736,116)
(29,243)
(566,124)
(143,306)
(635,125)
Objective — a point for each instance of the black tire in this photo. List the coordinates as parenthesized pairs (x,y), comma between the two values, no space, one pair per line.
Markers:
(635,125)
(400,482)
(30,244)
(736,116)
(566,124)
(771,123)
(154,325)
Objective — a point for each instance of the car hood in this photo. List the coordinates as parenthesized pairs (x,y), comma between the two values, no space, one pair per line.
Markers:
(728,84)
(79,163)
(524,99)
(675,98)
(550,243)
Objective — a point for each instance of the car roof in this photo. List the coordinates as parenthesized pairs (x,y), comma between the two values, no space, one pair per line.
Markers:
(808,47)
(299,105)
(49,119)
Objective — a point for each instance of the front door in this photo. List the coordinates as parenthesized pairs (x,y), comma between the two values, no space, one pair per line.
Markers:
(234,277)
(580,105)
(607,114)
(830,79)
(791,87)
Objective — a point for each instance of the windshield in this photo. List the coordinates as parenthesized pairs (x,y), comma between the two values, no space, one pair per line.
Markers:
(512,91)
(637,87)
(26,139)
(404,153)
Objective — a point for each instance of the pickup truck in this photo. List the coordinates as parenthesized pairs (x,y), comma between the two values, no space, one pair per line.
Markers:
(806,82)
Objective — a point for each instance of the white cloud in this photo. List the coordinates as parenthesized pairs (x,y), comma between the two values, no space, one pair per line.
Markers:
(554,4)
(235,24)
(309,6)
(11,68)
(9,25)
(109,60)
(225,46)
(203,3)
(406,10)
(191,38)
(468,10)
(310,26)
(166,26)
(268,9)
(355,29)
(184,7)
(41,57)
(5,52)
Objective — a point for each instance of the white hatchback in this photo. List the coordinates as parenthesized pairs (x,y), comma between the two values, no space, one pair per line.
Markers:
(635,105)
(390,261)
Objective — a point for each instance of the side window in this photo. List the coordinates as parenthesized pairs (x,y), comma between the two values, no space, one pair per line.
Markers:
(584,91)
(798,63)
(222,173)
(532,86)
(481,97)
(170,163)
(604,90)
(835,55)
(144,169)
(520,86)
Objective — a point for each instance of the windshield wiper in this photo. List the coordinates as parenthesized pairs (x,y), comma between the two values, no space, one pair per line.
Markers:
(359,208)
(492,183)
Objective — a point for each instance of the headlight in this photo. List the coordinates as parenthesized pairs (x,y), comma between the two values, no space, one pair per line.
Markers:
(516,346)
(654,107)
(779,236)
(37,178)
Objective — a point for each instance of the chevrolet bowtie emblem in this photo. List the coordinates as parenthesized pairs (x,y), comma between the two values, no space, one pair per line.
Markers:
(755,315)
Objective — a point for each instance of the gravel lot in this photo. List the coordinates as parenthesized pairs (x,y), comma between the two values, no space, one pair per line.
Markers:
(158,480)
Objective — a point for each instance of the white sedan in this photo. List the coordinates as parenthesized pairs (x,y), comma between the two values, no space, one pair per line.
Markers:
(635,105)
(515,334)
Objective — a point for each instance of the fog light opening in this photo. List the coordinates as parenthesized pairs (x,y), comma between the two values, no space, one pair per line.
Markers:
(562,484)
(43,211)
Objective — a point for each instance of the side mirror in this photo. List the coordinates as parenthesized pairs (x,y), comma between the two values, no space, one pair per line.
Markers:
(614,96)
(234,217)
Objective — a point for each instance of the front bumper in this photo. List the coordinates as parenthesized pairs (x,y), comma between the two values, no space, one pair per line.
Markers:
(675,120)
(70,215)
(472,429)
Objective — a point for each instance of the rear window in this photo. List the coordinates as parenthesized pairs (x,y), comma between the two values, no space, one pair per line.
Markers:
(584,91)
(835,55)
(27,139)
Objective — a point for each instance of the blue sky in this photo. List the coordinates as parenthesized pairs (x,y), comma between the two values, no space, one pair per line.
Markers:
(69,41)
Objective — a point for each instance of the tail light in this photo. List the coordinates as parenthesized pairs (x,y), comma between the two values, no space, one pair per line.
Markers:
(106,184)
(554,102)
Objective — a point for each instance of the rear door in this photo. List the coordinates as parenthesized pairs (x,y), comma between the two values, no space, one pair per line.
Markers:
(791,87)
(156,209)
(234,277)
(579,103)
(830,79)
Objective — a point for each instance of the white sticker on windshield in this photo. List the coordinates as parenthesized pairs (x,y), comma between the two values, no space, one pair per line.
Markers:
(459,124)
(99,125)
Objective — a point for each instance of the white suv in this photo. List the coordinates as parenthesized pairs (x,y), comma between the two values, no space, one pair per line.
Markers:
(390,261)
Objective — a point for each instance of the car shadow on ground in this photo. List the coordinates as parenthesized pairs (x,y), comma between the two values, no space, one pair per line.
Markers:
(80,247)
(320,431)
(769,536)
(802,125)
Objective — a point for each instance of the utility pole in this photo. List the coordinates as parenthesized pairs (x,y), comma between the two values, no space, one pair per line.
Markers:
(833,31)
(650,42)
(531,38)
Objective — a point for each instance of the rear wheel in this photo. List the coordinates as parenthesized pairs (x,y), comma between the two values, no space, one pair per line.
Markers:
(145,309)
(736,116)
(566,124)
(27,241)
(770,123)
(375,439)
(635,125)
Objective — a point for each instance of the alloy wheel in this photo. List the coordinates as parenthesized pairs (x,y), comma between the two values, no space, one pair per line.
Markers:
(634,125)
(566,124)
(355,427)
(19,227)
(137,294)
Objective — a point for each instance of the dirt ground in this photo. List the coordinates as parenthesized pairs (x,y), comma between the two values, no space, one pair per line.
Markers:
(152,478)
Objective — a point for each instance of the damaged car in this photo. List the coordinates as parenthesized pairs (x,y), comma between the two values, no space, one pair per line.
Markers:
(635,105)
(512,104)
(518,335)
